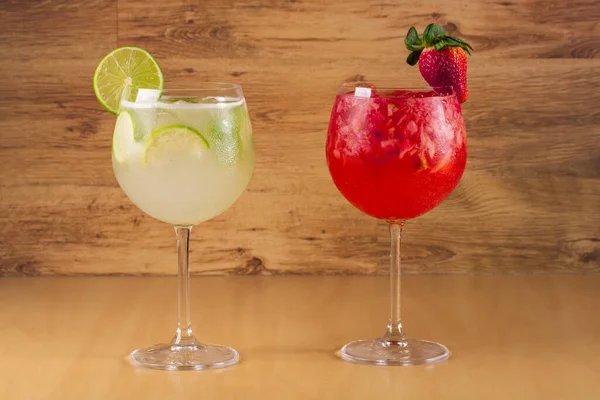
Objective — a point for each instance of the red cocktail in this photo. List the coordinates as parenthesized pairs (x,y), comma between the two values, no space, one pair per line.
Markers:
(396,154)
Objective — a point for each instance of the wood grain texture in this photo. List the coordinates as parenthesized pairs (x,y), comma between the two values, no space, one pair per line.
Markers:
(74,335)
(529,201)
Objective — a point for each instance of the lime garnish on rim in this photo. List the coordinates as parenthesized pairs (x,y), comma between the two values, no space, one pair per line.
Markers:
(131,67)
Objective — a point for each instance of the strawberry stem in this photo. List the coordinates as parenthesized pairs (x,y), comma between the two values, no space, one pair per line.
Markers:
(433,36)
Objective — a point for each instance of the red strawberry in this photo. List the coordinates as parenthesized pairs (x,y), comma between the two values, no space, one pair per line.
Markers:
(446,67)
(442,59)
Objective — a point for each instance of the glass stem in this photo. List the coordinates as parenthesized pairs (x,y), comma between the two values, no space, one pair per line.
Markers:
(395,333)
(184,326)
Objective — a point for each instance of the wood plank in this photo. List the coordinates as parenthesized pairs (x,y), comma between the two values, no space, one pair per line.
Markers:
(356,31)
(50,50)
(528,203)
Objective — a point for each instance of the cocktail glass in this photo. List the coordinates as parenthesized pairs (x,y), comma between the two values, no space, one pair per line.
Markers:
(395,154)
(184,157)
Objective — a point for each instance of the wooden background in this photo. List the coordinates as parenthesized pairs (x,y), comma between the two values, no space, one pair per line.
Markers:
(528,203)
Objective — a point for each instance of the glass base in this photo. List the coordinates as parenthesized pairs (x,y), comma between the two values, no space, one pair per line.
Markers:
(387,352)
(177,357)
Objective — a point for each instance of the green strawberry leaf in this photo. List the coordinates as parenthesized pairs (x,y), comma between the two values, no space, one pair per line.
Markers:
(413,57)
(412,47)
(412,40)
(450,41)
(431,32)
(438,30)
(412,37)
(440,44)
(462,42)
(427,36)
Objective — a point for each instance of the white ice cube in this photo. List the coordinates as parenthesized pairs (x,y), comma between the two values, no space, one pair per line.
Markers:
(147,95)
(362,92)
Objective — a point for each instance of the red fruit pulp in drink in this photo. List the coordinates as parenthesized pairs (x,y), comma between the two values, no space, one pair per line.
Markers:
(397,154)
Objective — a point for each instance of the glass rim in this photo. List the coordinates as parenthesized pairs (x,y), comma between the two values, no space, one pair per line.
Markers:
(442,91)
(209,86)
(220,91)
(223,93)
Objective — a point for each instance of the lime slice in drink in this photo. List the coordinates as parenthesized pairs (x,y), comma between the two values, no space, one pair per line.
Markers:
(170,142)
(125,67)
(123,142)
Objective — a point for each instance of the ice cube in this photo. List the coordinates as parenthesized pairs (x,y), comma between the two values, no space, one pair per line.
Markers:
(362,92)
(147,95)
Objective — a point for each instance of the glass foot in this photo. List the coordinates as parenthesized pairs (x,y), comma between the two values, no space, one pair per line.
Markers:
(193,356)
(386,352)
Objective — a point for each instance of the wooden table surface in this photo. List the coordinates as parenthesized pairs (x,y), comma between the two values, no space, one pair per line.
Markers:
(511,337)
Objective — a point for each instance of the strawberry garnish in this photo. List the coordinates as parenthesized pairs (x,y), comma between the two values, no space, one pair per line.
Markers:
(442,59)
